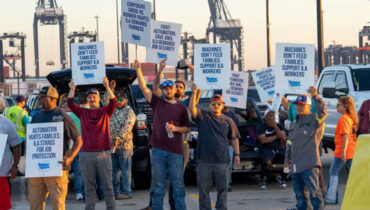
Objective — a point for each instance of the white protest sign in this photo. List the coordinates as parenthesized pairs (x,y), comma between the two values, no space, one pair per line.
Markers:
(212,66)
(164,44)
(265,83)
(236,94)
(3,140)
(44,149)
(136,17)
(276,104)
(88,63)
(295,66)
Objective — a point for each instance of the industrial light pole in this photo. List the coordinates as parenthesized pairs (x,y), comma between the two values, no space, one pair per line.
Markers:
(268,33)
(320,37)
(118,60)
(97,27)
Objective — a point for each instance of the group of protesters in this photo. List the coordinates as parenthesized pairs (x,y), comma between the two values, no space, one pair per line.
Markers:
(102,145)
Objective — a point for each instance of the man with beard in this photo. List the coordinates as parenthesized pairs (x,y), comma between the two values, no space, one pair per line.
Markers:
(170,121)
(215,131)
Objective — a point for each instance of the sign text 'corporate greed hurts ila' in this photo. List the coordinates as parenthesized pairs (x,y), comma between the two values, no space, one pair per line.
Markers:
(135,16)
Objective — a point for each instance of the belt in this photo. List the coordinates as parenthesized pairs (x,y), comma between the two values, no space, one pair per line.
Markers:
(102,150)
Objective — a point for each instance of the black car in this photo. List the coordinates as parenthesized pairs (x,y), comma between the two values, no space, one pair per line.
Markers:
(250,156)
(141,171)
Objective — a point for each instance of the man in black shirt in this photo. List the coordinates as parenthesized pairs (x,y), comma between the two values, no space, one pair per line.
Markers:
(272,136)
(215,130)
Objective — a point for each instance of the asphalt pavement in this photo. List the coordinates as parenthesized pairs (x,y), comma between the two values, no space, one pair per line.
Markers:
(245,194)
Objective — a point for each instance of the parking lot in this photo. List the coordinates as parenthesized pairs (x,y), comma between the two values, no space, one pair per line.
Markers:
(245,195)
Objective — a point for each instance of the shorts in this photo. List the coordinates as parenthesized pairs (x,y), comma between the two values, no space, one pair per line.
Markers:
(4,194)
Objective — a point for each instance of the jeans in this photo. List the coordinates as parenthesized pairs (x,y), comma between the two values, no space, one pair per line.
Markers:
(206,173)
(77,186)
(332,190)
(231,155)
(122,160)
(310,179)
(164,162)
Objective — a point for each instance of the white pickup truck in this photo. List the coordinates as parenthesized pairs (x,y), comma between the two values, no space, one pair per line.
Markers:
(342,80)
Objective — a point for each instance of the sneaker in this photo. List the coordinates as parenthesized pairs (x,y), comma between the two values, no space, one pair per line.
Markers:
(123,196)
(281,181)
(262,183)
(79,197)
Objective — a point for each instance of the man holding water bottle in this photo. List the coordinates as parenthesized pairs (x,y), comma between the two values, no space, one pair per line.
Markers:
(170,121)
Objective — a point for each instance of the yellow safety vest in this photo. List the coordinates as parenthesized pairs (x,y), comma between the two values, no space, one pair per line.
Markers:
(16,114)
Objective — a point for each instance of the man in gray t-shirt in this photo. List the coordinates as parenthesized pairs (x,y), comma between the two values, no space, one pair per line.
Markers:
(10,159)
(215,131)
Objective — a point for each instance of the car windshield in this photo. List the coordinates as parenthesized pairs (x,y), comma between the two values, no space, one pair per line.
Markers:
(254,94)
(360,79)
(136,91)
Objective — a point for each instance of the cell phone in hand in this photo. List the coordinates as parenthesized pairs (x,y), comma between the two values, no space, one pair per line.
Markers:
(182,64)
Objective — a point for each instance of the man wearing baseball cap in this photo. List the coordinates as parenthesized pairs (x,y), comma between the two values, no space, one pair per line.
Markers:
(95,155)
(170,121)
(215,131)
(19,117)
(302,153)
(38,188)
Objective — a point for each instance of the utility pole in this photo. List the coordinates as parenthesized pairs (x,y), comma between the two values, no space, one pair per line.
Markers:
(268,33)
(320,37)
(118,60)
(97,27)
(154,16)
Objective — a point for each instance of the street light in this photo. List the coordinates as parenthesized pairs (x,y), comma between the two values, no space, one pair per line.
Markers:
(97,27)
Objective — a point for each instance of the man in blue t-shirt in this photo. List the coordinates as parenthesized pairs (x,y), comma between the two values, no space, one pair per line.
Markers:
(215,131)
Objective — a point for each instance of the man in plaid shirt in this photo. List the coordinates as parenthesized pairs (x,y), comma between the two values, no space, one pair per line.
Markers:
(121,124)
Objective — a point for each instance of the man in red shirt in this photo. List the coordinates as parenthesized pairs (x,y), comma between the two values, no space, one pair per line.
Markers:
(364,118)
(95,156)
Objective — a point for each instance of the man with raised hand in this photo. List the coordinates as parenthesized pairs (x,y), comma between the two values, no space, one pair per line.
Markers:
(170,121)
(95,155)
(215,131)
(302,152)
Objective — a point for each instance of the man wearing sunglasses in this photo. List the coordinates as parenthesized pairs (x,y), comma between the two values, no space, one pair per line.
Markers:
(215,131)
(170,121)
(121,124)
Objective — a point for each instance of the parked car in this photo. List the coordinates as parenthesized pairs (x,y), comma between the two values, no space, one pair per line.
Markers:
(250,156)
(10,101)
(141,171)
(341,80)
(252,93)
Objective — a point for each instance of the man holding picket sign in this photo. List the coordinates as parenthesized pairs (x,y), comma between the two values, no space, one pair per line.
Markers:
(39,187)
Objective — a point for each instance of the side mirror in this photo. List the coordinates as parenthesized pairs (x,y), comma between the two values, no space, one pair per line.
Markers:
(328,90)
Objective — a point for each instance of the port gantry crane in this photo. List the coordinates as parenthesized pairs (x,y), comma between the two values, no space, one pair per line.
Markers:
(48,13)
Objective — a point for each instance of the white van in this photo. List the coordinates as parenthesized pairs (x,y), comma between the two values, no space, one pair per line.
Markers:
(342,80)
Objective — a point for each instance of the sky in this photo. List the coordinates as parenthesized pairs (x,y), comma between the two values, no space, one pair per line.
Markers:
(291,21)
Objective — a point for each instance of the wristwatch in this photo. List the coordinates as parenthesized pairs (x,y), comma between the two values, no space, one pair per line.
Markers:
(236,155)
